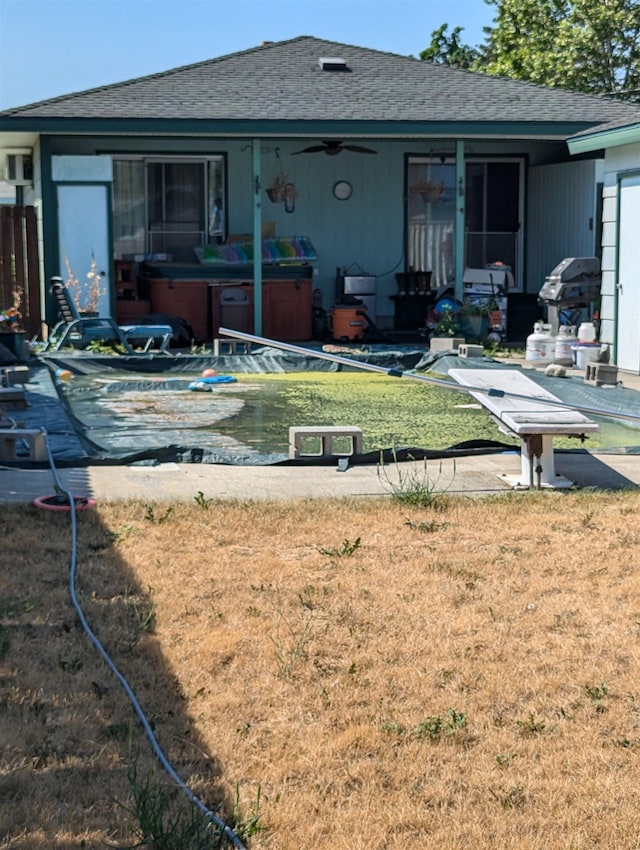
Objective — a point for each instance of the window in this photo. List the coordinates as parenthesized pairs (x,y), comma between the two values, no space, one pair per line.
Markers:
(167,206)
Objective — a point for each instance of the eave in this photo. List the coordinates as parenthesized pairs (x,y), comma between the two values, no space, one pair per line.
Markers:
(612,138)
(246,128)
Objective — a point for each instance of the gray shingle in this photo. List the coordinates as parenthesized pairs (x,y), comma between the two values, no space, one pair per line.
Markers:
(283,81)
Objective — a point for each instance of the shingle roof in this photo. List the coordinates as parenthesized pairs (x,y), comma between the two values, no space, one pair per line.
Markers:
(283,81)
(621,124)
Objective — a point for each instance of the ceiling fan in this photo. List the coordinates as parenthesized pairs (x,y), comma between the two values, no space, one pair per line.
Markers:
(333,148)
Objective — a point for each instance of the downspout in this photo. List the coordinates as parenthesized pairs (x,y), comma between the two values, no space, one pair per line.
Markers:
(257,241)
(459,190)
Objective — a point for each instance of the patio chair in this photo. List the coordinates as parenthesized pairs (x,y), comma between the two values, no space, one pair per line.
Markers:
(74,329)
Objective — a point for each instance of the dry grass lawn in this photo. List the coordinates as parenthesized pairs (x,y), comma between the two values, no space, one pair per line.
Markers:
(369,674)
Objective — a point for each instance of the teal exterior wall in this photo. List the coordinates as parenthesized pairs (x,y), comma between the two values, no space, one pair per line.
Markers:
(364,234)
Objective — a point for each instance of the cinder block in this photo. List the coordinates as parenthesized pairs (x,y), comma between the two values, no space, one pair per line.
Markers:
(230,346)
(598,374)
(15,375)
(324,439)
(10,437)
(445,343)
(12,398)
(468,350)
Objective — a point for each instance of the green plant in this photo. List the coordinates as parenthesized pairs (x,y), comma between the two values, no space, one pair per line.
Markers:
(142,616)
(597,693)
(150,515)
(245,826)
(161,822)
(97,346)
(514,798)
(426,526)
(202,502)
(345,550)
(448,324)
(290,639)
(433,727)
(531,726)
(414,485)
(122,533)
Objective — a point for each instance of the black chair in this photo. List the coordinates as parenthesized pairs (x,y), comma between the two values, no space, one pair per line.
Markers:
(79,331)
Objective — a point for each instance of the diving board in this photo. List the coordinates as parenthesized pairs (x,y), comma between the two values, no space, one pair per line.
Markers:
(518,403)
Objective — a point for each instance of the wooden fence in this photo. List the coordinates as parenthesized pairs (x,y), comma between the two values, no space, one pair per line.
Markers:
(19,266)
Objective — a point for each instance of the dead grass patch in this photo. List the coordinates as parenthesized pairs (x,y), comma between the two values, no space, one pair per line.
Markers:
(460,677)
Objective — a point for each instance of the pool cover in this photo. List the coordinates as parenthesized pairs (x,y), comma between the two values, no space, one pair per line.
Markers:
(141,410)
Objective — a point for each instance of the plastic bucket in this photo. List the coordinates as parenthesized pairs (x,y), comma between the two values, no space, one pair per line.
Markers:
(348,322)
(587,332)
(585,352)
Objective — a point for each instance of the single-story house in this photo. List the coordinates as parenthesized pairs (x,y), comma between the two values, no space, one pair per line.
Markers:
(620,142)
(335,161)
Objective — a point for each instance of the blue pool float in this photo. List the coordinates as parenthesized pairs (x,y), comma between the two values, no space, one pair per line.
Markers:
(205,385)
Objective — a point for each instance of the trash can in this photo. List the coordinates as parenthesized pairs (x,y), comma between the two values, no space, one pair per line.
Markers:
(235,310)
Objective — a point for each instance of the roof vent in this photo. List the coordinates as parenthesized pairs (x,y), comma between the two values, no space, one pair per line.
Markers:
(333,63)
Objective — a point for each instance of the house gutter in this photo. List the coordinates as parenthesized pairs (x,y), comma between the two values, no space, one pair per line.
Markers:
(296,127)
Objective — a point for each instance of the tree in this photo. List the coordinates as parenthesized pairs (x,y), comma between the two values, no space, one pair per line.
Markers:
(447,50)
(583,45)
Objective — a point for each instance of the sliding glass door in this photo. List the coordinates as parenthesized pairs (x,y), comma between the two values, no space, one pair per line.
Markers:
(493,199)
(492,213)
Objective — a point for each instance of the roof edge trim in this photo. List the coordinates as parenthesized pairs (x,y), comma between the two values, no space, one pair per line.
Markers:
(605,139)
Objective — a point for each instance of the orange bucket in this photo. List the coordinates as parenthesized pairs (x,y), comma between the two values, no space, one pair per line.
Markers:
(348,322)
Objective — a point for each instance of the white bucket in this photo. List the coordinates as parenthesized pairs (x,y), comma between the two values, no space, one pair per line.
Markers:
(585,352)
(587,332)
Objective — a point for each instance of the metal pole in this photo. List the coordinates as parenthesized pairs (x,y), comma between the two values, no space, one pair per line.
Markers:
(459,208)
(425,379)
(257,239)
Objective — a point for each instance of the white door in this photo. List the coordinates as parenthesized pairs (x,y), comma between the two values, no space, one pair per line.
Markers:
(83,234)
(628,283)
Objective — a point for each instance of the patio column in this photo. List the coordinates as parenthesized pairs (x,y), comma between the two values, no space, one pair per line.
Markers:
(460,193)
(257,240)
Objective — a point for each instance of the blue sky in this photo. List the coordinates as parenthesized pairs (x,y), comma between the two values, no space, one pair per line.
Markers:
(53,47)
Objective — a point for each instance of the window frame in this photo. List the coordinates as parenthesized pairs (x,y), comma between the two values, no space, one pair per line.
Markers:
(210,164)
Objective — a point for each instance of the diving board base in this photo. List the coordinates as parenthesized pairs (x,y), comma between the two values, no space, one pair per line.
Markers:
(527,411)
(537,467)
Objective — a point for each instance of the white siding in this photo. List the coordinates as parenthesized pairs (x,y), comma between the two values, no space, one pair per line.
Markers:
(617,161)
(562,214)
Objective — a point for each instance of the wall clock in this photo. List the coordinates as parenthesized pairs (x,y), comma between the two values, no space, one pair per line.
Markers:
(342,190)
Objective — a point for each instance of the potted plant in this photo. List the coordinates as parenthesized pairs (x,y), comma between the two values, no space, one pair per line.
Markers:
(277,188)
(12,334)
(448,325)
(474,320)
(431,192)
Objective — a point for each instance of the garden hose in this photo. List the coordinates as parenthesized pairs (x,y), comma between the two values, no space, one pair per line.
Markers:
(67,501)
